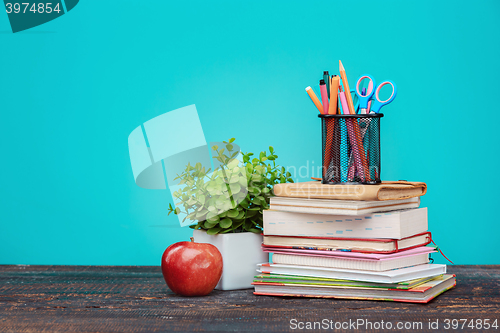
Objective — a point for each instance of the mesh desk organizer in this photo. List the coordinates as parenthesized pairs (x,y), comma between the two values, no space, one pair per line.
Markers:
(351,148)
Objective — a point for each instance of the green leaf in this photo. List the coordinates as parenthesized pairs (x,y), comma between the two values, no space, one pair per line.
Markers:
(232,213)
(257,178)
(260,169)
(251,213)
(213,231)
(243,181)
(225,223)
(271,149)
(201,199)
(209,225)
(248,225)
(237,225)
(213,219)
(231,140)
(244,203)
(257,231)
(215,147)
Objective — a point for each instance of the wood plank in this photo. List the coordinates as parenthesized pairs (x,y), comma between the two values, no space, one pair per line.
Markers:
(136,299)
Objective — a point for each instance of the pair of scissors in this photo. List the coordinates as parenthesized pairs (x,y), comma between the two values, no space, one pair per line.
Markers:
(369,102)
(369,105)
(373,91)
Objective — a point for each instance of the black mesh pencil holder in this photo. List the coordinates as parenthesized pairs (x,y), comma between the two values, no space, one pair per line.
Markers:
(351,148)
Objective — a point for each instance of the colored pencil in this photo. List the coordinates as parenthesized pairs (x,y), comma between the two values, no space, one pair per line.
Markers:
(347,91)
(315,99)
(329,127)
(334,90)
(324,95)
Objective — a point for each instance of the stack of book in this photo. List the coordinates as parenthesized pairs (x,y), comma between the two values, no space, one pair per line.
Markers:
(354,249)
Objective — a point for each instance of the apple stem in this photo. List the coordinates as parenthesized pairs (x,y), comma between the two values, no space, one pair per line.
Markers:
(192,239)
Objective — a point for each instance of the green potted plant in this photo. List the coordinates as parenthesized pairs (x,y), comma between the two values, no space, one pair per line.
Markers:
(226,207)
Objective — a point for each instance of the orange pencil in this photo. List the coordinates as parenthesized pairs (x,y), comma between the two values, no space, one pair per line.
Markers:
(315,99)
(347,91)
(334,90)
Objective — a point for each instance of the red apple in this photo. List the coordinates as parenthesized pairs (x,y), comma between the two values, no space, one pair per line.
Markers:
(191,269)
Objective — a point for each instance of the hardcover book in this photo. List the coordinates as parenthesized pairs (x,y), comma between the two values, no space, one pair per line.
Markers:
(307,280)
(392,276)
(340,207)
(346,244)
(419,294)
(396,190)
(392,225)
(351,263)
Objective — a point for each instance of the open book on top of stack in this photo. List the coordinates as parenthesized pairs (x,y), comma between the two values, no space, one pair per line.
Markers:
(359,249)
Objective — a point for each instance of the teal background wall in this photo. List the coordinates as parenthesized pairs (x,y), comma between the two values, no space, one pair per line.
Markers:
(72,90)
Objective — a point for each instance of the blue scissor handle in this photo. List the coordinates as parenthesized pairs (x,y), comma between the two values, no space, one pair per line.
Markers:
(377,103)
(363,100)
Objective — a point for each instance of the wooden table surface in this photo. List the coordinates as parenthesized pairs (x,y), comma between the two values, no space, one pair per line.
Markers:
(136,299)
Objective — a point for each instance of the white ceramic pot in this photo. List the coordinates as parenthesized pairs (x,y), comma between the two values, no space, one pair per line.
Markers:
(241,252)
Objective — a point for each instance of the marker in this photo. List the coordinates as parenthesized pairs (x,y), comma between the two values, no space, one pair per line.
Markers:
(326,77)
(329,131)
(324,95)
(315,99)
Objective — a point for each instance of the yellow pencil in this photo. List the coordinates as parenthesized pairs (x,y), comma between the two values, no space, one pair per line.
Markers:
(315,99)
(347,91)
